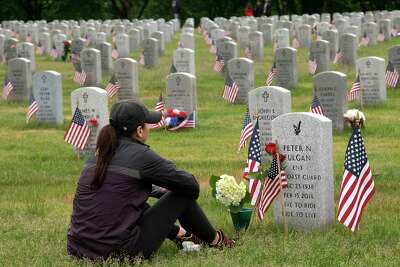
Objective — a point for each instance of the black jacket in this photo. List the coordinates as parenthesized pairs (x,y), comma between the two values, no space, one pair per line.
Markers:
(103,220)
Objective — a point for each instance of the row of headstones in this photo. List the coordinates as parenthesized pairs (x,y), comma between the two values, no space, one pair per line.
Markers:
(124,43)
(94,31)
(268,25)
(346,41)
(46,87)
(371,71)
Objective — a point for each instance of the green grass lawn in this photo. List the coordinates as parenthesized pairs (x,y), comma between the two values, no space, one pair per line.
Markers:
(38,175)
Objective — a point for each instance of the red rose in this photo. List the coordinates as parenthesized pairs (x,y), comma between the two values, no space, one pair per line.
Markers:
(67,43)
(94,122)
(170,112)
(270,148)
(183,114)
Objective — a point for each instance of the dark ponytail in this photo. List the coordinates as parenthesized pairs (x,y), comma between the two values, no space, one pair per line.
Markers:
(107,143)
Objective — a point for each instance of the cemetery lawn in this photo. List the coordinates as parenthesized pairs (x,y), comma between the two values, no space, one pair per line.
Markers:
(38,175)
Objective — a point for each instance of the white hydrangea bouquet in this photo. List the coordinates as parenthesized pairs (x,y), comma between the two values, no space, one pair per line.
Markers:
(354,118)
(230,193)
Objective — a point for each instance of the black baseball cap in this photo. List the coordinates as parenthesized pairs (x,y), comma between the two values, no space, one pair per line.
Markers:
(127,115)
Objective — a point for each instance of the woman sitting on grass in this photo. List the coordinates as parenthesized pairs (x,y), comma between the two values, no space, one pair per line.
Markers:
(111,217)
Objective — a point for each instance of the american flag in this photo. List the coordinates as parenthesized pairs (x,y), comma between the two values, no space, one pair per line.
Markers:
(358,185)
(364,40)
(395,33)
(275,45)
(391,75)
(316,106)
(113,86)
(189,122)
(231,90)
(7,88)
(312,65)
(39,49)
(381,37)
(80,75)
(271,188)
(160,108)
(247,52)
(54,52)
(114,53)
(32,109)
(78,132)
(355,89)
(271,75)
(219,63)
(173,68)
(338,57)
(213,48)
(253,164)
(141,59)
(247,130)
(295,43)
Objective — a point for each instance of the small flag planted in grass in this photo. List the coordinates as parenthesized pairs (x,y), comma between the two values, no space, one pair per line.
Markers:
(247,130)
(113,86)
(7,88)
(270,78)
(160,108)
(391,75)
(80,75)
(32,109)
(231,90)
(355,89)
(316,106)
(357,185)
(219,63)
(78,132)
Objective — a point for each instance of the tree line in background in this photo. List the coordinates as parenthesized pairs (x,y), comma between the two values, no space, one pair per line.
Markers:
(131,9)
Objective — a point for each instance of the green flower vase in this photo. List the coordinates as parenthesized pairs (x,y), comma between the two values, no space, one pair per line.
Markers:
(241,220)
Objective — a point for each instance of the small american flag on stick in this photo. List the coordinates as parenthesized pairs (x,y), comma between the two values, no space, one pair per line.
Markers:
(355,89)
(113,86)
(364,40)
(141,59)
(39,49)
(247,130)
(80,75)
(32,109)
(213,48)
(312,64)
(270,78)
(7,88)
(114,53)
(54,53)
(391,75)
(358,184)
(219,63)
(78,132)
(271,188)
(338,57)
(253,164)
(295,43)
(316,106)
(231,90)
(160,108)
(247,52)
(381,37)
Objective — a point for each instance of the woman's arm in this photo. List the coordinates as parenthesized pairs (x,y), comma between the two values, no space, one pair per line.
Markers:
(163,173)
